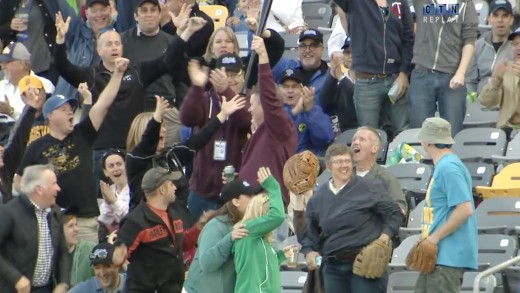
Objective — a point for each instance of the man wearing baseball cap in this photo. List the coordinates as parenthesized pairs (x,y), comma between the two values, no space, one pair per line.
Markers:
(30,88)
(153,237)
(107,277)
(313,127)
(312,68)
(491,48)
(15,60)
(501,90)
(449,230)
(69,148)
(232,63)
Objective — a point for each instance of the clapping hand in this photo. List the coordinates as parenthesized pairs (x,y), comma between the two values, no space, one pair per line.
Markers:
(198,74)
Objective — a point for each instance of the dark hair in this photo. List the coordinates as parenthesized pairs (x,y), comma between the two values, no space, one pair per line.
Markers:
(110,152)
(230,210)
(337,149)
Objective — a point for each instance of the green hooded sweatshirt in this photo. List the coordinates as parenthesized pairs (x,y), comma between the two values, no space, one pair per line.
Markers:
(256,262)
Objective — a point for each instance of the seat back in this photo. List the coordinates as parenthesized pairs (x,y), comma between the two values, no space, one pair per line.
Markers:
(323,178)
(494,249)
(509,177)
(487,284)
(243,42)
(292,280)
(481,173)
(478,115)
(513,148)
(218,13)
(291,46)
(398,261)
(402,282)
(482,8)
(317,14)
(412,177)
(409,137)
(498,212)
(479,143)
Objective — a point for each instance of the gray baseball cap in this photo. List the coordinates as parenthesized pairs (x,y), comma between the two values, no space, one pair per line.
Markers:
(154,177)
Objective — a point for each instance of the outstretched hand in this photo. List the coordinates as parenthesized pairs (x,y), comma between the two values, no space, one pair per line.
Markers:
(263,173)
(160,108)
(62,27)
(229,107)
(198,74)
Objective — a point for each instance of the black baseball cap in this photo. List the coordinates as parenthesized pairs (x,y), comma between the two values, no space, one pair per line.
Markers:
(154,2)
(312,34)
(102,254)
(514,34)
(92,2)
(236,188)
(230,61)
(291,74)
(500,4)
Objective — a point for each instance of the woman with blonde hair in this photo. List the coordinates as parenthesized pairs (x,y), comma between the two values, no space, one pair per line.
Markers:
(256,262)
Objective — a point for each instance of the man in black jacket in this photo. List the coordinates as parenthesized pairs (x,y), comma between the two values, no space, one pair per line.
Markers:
(33,252)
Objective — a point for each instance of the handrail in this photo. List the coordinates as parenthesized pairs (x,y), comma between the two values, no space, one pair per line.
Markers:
(492,270)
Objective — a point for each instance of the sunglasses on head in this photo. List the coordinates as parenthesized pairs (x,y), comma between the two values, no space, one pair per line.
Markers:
(98,254)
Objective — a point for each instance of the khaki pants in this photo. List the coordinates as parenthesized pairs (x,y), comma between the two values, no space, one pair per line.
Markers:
(443,279)
(88,229)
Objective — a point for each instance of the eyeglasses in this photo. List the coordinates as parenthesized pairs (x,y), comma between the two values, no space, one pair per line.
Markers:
(310,47)
(341,162)
(98,254)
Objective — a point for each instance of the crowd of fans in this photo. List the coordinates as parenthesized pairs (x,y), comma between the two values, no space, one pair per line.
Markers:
(118,118)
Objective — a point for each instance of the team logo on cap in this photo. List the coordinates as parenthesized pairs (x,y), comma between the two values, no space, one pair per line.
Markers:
(246,184)
(62,97)
(310,32)
(6,50)
(500,2)
(229,60)
(289,72)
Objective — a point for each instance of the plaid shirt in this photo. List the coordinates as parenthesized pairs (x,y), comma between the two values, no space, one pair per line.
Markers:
(42,272)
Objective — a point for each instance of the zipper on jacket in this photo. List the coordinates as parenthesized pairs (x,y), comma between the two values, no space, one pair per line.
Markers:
(384,35)
(438,46)
(495,54)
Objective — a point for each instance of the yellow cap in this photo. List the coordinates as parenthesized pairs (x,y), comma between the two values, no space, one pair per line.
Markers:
(27,81)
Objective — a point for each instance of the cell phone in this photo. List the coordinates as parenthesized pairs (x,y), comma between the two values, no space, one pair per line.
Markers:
(318,261)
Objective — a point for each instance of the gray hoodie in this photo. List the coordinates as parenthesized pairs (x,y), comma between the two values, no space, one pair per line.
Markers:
(439,41)
(484,60)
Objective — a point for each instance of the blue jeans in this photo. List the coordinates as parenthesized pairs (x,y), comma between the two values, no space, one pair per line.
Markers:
(338,278)
(372,103)
(431,89)
(198,205)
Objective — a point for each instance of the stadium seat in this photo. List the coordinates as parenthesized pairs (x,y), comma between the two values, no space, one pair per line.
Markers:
(478,115)
(512,152)
(413,226)
(243,43)
(218,13)
(398,261)
(407,136)
(402,282)
(498,215)
(414,179)
(479,144)
(292,280)
(494,249)
(487,284)
(346,138)
(317,14)
(291,46)
(505,183)
(323,178)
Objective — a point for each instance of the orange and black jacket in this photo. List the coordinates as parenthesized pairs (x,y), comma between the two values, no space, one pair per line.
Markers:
(155,253)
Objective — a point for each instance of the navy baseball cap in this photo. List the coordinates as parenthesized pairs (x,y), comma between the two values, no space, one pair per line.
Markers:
(55,102)
(92,2)
(500,4)
(236,188)
(290,74)
(15,51)
(102,254)
(312,34)
(346,44)
(513,34)
(230,61)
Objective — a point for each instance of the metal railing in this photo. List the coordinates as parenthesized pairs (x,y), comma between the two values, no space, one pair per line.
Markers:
(492,270)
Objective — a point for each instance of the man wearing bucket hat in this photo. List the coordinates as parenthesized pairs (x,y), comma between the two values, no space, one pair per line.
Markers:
(448,243)
(69,148)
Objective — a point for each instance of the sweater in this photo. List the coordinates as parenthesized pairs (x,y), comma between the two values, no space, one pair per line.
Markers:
(81,268)
(380,44)
(213,260)
(351,219)
(274,141)
(256,262)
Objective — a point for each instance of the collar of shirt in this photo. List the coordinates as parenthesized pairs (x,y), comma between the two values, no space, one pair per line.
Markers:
(140,32)
(38,209)
(334,189)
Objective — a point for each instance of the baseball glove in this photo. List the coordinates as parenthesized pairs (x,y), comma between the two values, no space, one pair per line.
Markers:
(373,259)
(422,257)
(300,172)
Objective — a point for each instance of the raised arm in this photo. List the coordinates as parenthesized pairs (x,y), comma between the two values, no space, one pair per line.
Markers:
(71,73)
(196,106)
(275,215)
(100,109)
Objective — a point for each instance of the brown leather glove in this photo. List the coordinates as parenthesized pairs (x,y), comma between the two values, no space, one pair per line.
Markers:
(300,172)
(373,259)
(422,257)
